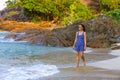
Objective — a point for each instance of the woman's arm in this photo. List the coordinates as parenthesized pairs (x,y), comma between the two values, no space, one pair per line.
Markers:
(85,40)
(75,40)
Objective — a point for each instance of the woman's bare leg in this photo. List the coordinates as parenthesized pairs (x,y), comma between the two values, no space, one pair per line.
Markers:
(77,59)
(83,58)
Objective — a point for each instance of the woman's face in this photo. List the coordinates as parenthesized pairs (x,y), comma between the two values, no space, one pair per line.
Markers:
(80,28)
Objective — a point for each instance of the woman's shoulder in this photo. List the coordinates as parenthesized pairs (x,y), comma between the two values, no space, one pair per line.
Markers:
(85,33)
(77,32)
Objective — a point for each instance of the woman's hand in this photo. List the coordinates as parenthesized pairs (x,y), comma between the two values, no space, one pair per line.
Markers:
(73,47)
(85,48)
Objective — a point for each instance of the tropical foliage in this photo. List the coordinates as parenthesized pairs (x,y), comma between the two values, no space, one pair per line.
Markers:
(78,11)
(50,9)
(110,4)
(65,11)
(115,14)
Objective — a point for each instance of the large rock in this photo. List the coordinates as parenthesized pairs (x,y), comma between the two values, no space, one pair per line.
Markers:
(100,33)
(115,46)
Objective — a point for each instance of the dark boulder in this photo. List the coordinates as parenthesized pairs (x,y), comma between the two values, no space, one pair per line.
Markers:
(101,32)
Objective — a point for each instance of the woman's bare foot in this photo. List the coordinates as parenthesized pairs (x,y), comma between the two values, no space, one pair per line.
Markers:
(84,63)
(77,67)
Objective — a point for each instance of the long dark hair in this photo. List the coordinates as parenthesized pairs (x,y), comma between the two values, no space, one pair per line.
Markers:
(82,26)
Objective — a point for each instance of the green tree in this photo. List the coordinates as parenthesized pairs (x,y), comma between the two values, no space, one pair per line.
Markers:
(47,9)
(77,11)
(109,4)
(115,14)
(12,3)
(66,10)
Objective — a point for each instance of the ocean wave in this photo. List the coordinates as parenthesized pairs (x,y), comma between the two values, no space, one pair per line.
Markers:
(28,72)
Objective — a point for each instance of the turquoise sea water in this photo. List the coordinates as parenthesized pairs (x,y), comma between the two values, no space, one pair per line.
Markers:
(15,63)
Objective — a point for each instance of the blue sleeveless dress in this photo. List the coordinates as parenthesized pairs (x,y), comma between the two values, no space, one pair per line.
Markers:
(79,45)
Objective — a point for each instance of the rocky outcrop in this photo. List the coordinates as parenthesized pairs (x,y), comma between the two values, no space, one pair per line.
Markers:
(14,14)
(115,46)
(101,32)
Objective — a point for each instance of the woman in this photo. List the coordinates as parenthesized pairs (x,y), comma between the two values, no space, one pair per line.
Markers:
(80,44)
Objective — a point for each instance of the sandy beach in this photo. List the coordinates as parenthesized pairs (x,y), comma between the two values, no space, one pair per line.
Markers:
(65,61)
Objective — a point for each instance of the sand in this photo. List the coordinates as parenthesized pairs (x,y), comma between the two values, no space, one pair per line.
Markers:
(99,65)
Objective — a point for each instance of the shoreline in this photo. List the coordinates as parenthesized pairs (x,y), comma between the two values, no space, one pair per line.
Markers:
(86,73)
(106,64)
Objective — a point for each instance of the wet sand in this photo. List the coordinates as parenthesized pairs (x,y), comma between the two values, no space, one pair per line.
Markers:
(65,61)
(88,73)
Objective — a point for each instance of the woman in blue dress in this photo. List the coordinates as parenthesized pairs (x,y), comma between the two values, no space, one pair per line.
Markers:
(80,44)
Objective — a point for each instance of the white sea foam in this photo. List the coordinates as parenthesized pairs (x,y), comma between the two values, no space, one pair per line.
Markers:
(113,64)
(10,40)
(28,72)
